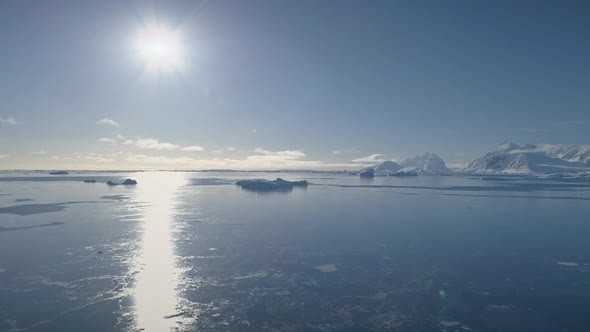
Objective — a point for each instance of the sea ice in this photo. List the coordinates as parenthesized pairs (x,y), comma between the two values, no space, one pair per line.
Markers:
(572,264)
(326,268)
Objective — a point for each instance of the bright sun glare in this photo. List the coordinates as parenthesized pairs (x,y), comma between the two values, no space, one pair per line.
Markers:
(160,48)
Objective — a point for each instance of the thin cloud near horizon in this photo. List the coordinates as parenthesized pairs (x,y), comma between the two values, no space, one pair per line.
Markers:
(377,157)
(193,148)
(108,122)
(9,121)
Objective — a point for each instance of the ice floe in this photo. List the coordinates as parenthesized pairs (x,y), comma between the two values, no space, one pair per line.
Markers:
(326,268)
(266,185)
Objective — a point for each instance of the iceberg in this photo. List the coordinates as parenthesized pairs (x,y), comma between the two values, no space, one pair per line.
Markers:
(367,173)
(267,185)
(128,182)
(59,173)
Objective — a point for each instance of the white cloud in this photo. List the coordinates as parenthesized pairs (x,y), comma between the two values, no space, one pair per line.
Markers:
(108,122)
(261,160)
(268,162)
(3,156)
(111,141)
(267,158)
(338,152)
(352,151)
(162,160)
(530,130)
(171,158)
(254,131)
(288,154)
(9,121)
(377,157)
(152,144)
(193,148)
(262,151)
(79,158)
(570,123)
(39,152)
(231,148)
(60,158)
(457,166)
(99,159)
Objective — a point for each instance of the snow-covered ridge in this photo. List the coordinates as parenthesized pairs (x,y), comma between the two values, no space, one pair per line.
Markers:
(506,158)
(511,158)
(427,163)
(571,153)
(387,167)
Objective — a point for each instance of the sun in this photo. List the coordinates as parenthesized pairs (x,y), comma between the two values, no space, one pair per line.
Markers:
(160,48)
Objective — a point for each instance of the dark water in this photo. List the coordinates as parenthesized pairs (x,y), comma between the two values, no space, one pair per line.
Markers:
(191,251)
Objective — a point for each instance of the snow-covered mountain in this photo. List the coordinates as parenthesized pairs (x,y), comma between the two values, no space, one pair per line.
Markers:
(428,163)
(510,158)
(507,158)
(387,167)
(572,153)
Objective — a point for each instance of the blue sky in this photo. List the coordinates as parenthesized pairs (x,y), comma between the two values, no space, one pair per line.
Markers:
(288,84)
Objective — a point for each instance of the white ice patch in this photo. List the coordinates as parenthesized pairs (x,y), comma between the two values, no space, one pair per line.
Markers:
(326,268)
(571,264)
(454,326)
(253,275)
(500,307)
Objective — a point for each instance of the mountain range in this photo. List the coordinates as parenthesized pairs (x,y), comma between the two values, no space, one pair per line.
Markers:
(510,158)
(507,158)
(427,163)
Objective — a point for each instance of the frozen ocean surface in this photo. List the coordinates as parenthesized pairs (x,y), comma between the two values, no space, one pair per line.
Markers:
(192,251)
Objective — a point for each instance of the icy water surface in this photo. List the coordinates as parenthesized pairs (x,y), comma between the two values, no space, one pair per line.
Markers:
(192,251)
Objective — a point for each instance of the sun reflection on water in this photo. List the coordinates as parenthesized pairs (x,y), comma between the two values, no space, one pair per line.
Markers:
(155,293)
